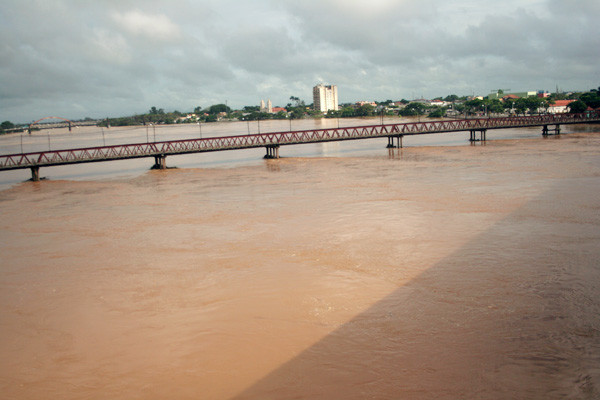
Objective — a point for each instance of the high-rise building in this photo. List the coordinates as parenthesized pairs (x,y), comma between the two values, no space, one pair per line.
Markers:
(325,98)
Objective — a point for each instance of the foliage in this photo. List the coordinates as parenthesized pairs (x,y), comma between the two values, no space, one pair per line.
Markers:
(218,108)
(437,112)
(6,125)
(365,110)
(591,99)
(154,111)
(414,109)
(578,106)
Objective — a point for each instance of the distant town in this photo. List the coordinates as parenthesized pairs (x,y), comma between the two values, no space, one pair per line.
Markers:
(325,104)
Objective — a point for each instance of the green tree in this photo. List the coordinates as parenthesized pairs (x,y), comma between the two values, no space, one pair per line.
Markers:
(155,111)
(577,107)
(218,108)
(520,105)
(475,105)
(414,109)
(348,112)
(365,110)
(438,112)
(591,99)
(7,125)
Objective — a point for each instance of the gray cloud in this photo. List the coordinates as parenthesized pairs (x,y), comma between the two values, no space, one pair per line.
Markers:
(77,58)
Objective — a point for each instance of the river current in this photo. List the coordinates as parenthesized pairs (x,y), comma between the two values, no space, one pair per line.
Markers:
(442,270)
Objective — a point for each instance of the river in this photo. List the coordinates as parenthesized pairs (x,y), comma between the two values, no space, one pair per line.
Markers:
(442,270)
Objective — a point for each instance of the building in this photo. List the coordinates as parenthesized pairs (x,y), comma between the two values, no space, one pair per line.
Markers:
(268,108)
(362,103)
(325,98)
(517,95)
(559,106)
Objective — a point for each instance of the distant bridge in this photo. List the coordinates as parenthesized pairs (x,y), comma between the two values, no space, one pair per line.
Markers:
(272,141)
(65,122)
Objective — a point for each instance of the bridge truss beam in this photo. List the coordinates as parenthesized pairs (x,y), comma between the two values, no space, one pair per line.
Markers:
(272,141)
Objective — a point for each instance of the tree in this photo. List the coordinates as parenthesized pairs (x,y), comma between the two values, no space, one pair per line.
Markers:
(198,110)
(520,106)
(7,125)
(474,105)
(591,99)
(365,110)
(437,113)
(154,111)
(297,102)
(348,112)
(218,108)
(414,109)
(577,107)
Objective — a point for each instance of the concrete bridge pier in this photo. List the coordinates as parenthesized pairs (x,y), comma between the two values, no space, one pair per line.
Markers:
(546,131)
(160,162)
(391,144)
(473,135)
(272,152)
(35,174)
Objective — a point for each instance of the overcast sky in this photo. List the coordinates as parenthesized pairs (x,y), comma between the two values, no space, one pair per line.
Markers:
(98,58)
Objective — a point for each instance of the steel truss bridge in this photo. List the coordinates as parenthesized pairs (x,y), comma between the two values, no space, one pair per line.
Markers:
(272,141)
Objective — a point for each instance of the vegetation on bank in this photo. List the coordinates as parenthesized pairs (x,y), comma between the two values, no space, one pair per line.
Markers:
(297,109)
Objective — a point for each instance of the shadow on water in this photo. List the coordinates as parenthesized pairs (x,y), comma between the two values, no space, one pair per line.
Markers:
(511,314)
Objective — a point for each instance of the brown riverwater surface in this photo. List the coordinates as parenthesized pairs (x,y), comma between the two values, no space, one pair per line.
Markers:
(424,273)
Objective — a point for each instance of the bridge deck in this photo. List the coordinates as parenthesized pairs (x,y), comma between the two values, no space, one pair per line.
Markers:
(275,139)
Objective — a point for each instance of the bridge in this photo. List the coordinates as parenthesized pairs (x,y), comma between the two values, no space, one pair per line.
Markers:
(477,127)
(36,124)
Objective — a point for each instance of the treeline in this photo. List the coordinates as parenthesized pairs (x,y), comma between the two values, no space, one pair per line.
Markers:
(158,116)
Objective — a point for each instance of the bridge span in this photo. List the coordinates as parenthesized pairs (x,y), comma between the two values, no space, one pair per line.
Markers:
(272,141)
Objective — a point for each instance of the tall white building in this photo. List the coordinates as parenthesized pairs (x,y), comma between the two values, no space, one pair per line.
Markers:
(325,98)
(268,108)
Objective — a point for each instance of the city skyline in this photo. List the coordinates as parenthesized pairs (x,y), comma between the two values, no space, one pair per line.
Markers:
(80,59)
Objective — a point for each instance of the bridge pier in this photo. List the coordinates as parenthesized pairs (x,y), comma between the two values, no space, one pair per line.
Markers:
(473,135)
(272,152)
(35,174)
(160,162)
(391,145)
(546,131)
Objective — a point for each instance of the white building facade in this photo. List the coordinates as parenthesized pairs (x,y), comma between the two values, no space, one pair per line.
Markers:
(325,98)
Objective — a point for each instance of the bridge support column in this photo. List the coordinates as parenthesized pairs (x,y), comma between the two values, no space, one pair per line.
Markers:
(473,135)
(546,131)
(272,152)
(35,174)
(160,162)
(391,144)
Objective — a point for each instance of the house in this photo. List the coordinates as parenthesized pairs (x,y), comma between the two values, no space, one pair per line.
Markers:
(438,103)
(362,103)
(559,106)
(510,97)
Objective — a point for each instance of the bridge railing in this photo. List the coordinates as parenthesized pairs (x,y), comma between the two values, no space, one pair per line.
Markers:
(136,150)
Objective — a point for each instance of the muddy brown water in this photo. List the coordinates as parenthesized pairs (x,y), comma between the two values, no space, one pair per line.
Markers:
(430,272)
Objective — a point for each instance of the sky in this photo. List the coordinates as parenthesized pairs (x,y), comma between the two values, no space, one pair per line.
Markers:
(110,58)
